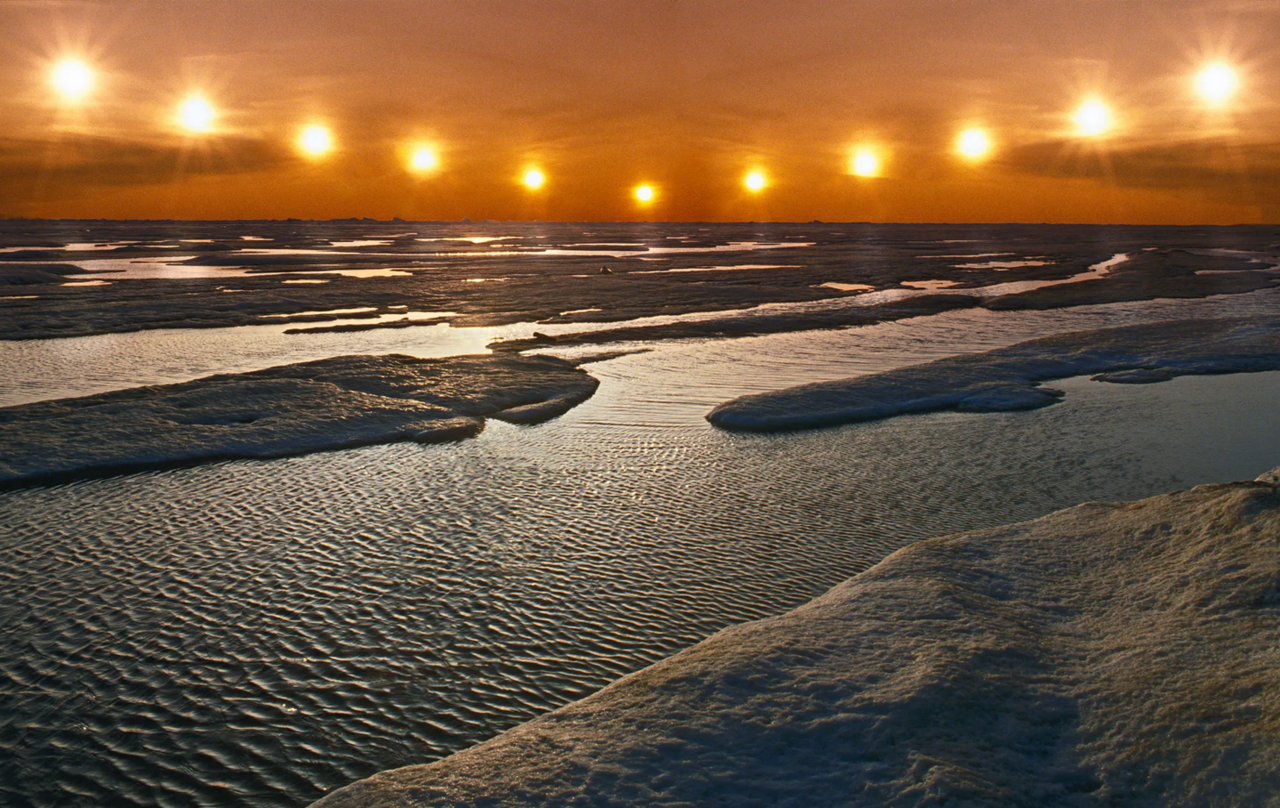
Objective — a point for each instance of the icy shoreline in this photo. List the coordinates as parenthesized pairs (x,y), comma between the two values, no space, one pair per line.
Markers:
(1111,652)
(294,409)
(1009,378)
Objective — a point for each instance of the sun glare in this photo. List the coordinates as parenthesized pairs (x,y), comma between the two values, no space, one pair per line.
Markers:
(72,79)
(534,179)
(423,160)
(973,144)
(755,182)
(864,163)
(315,141)
(1216,83)
(644,193)
(196,115)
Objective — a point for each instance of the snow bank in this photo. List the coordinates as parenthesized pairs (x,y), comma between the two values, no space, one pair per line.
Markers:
(1008,378)
(1109,654)
(292,409)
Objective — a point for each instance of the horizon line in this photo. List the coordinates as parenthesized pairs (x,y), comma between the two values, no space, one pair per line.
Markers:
(465,220)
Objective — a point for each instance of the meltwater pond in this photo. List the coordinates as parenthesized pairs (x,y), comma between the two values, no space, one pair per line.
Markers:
(258,633)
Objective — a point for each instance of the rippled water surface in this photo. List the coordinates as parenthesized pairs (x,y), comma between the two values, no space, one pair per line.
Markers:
(258,633)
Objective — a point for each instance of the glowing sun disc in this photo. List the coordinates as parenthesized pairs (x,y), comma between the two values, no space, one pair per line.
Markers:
(72,79)
(755,182)
(315,141)
(644,193)
(1092,118)
(864,164)
(1216,83)
(423,159)
(973,144)
(534,179)
(196,115)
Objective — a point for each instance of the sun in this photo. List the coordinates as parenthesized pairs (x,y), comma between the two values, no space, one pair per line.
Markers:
(755,182)
(315,141)
(644,193)
(195,114)
(534,179)
(72,78)
(423,159)
(973,144)
(1093,118)
(1216,83)
(864,164)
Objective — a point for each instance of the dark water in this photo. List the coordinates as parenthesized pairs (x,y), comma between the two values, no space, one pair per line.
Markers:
(259,633)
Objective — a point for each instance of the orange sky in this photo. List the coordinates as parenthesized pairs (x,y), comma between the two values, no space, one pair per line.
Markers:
(602,95)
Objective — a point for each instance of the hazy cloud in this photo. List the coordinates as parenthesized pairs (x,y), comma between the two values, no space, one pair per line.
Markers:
(108,161)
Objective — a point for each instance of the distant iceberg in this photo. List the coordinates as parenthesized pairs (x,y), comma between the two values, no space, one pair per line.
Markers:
(1109,654)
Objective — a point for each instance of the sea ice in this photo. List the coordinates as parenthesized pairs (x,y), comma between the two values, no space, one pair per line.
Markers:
(544,271)
(288,410)
(1009,378)
(35,274)
(1108,654)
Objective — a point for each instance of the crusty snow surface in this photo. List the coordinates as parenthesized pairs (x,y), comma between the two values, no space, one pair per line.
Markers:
(1109,654)
(292,409)
(1009,378)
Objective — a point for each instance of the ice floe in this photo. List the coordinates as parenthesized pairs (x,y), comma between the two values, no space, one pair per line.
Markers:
(333,403)
(1009,378)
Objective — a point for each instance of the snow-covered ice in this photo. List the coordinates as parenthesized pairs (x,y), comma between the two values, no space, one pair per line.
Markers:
(287,410)
(1009,378)
(1108,654)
